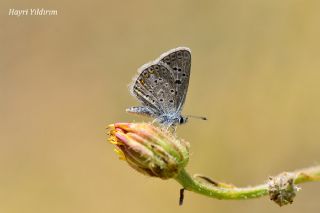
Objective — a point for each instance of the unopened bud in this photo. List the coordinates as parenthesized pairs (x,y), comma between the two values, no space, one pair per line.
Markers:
(149,149)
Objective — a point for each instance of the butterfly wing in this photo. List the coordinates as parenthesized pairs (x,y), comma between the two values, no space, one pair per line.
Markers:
(154,87)
(179,62)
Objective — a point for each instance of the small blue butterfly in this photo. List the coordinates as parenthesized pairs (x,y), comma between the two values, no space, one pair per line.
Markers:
(161,86)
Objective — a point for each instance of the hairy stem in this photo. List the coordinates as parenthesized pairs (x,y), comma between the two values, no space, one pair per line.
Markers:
(224,191)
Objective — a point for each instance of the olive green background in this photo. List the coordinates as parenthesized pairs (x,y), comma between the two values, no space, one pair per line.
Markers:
(255,75)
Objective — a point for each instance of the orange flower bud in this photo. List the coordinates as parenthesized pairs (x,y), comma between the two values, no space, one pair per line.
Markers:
(149,149)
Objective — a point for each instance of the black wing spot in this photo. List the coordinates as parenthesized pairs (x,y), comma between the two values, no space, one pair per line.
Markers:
(171,101)
(174,68)
(179,69)
(183,74)
(155,81)
(161,100)
(146,74)
(178,81)
(172,91)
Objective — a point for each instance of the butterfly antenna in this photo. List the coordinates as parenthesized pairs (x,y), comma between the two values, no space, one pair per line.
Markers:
(198,117)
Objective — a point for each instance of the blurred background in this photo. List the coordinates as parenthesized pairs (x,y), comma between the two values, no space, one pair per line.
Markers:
(63,79)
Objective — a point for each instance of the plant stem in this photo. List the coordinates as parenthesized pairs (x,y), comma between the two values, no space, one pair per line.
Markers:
(227,192)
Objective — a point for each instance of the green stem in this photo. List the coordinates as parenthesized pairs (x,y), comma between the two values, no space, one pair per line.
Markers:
(234,193)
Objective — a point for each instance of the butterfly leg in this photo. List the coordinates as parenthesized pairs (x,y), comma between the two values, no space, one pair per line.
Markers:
(169,127)
(172,128)
(155,121)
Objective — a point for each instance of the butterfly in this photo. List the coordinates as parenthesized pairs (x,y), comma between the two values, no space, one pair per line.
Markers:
(161,87)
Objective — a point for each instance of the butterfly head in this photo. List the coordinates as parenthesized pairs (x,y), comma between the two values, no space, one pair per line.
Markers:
(183,120)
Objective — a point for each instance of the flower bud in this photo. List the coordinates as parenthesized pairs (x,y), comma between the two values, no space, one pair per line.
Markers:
(149,149)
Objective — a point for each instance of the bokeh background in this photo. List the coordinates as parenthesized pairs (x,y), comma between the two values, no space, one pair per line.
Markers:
(255,75)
